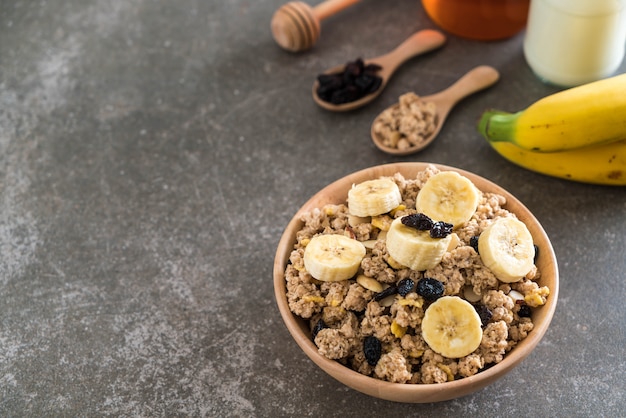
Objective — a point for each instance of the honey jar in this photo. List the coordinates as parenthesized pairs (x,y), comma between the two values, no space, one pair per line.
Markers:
(479,19)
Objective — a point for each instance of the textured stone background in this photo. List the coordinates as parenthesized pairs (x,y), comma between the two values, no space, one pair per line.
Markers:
(151,153)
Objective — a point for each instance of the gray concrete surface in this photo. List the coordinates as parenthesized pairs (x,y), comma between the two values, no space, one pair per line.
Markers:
(151,153)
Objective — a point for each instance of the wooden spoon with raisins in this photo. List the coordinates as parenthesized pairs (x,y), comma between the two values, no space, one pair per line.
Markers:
(357,83)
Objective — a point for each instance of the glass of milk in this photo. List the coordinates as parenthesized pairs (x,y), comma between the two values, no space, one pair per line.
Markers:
(573,42)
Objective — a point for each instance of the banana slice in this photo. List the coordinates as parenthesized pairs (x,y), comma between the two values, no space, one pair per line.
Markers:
(448,196)
(332,258)
(506,248)
(413,248)
(373,197)
(451,327)
(357,220)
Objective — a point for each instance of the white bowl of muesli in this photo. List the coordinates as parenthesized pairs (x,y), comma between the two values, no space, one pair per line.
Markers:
(415,282)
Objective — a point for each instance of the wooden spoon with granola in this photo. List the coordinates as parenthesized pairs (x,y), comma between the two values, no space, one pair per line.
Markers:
(413,123)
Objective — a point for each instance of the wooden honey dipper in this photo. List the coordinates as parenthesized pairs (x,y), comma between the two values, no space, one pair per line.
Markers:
(296,25)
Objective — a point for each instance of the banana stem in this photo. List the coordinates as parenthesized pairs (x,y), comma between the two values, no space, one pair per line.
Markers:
(498,126)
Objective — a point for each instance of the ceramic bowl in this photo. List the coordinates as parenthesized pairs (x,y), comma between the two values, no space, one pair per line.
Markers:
(403,392)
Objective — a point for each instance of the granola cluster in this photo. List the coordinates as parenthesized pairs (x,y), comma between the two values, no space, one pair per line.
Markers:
(408,124)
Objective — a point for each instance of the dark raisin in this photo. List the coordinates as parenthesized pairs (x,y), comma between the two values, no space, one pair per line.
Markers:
(405,286)
(536,253)
(328,83)
(364,81)
(352,83)
(377,82)
(347,94)
(319,325)
(474,243)
(329,80)
(353,69)
(524,311)
(440,229)
(372,348)
(430,289)
(418,221)
(484,313)
(391,290)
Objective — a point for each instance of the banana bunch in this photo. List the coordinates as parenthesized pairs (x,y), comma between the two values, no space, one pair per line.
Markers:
(577,134)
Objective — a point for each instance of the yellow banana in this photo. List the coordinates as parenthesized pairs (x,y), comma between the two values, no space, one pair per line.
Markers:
(600,164)
(591,114)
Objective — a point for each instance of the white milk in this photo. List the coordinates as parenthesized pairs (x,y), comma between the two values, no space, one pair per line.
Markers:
(572,42)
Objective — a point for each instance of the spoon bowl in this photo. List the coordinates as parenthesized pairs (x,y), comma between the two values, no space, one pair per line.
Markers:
(473,81)
(420,42)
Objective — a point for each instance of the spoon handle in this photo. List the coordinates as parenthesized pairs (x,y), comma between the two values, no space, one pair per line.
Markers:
(418,43)
(330,7)
(473,81)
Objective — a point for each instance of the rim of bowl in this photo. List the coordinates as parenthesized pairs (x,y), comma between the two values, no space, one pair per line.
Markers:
(407,392)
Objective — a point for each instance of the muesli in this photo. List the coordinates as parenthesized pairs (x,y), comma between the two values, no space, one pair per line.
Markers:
(408,124)
(446,317)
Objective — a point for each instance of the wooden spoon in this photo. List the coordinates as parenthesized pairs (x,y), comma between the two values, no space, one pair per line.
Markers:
(296,25)
(473,81)
(418,43)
